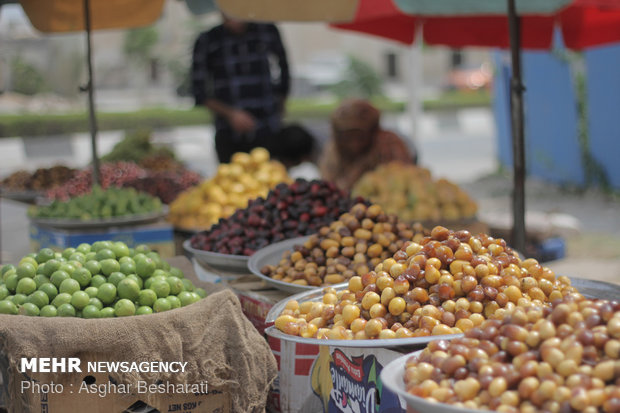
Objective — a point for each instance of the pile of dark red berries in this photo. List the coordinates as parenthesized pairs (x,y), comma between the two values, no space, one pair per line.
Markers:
(289,211)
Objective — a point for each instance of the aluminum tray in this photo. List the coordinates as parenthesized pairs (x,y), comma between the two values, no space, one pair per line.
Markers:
(225,262)
(271,255)
(377,343)
(315,295)
(28,196)
(95,223)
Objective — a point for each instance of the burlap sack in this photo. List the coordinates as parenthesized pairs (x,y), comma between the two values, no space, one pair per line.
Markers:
(213,336)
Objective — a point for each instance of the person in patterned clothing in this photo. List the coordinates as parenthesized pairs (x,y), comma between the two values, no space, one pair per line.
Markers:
(358,144)
(240,73)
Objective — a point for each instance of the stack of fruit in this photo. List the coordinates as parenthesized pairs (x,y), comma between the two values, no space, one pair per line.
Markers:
(447,283)
(288,211)
(359,240)
(247,176)
(105,279)
(164,184)
(167,185)
(409,192)
(100,204)
(137,147)
(42,179)
(538,359)
(113,174)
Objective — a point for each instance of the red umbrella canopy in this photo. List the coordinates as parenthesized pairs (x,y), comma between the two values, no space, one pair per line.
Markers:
(584,23)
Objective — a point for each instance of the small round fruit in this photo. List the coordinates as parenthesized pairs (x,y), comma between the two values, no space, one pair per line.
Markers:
(124,308)
(49,289)
(161,288)
(69,286)
(48,311)
(66,310)
(144,310)
(58,277)
(84,248)
(174,301)
(186,298)
(107,293)
(106,312)
(30,309)
(176,272)
(68,252)
(67,267)
(11,282)
(161,304)
(38,298)
(40,279)
(95,302)
(26,270)
(128,267)
(44,255)
(19,299)
(201,292)
(82,276)
(78,256)
(5,268)
(91,291)
(120,249)
(104,254)
(51,266)
(108,266)
(90,311)
(128,289)
(62,298)
(93,266)
(145,267)
(97,280)
(137,279)
(176,285)
(116,277)
(4,292)
(26,286)
(80,299)
(147,298)
(8,307)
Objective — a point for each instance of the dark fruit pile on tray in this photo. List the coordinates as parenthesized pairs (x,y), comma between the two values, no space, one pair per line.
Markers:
(288,211)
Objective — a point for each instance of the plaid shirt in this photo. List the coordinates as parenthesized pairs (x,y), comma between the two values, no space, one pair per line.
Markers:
(240,70)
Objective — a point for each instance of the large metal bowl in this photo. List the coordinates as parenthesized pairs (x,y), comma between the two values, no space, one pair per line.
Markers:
(215,260)
(316,295)
(589,288)
(271,255)
(392,378)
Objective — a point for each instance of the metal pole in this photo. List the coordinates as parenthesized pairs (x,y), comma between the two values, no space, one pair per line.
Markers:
(91,97)
(518,141)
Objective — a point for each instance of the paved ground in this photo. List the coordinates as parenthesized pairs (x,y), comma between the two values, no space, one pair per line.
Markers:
(457,145)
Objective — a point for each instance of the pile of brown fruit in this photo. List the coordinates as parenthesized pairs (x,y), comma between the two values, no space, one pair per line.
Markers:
(447,283)
(41,179)
(563,358)
(359,240)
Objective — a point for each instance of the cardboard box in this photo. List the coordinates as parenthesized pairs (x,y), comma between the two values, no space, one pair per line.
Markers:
(315,378)
(256,299)
(158,236)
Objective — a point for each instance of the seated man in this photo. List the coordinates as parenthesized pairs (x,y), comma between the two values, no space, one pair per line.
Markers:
(358,144)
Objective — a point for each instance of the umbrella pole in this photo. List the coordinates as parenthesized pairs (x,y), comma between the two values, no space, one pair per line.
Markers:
(91,98)
(518,141)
